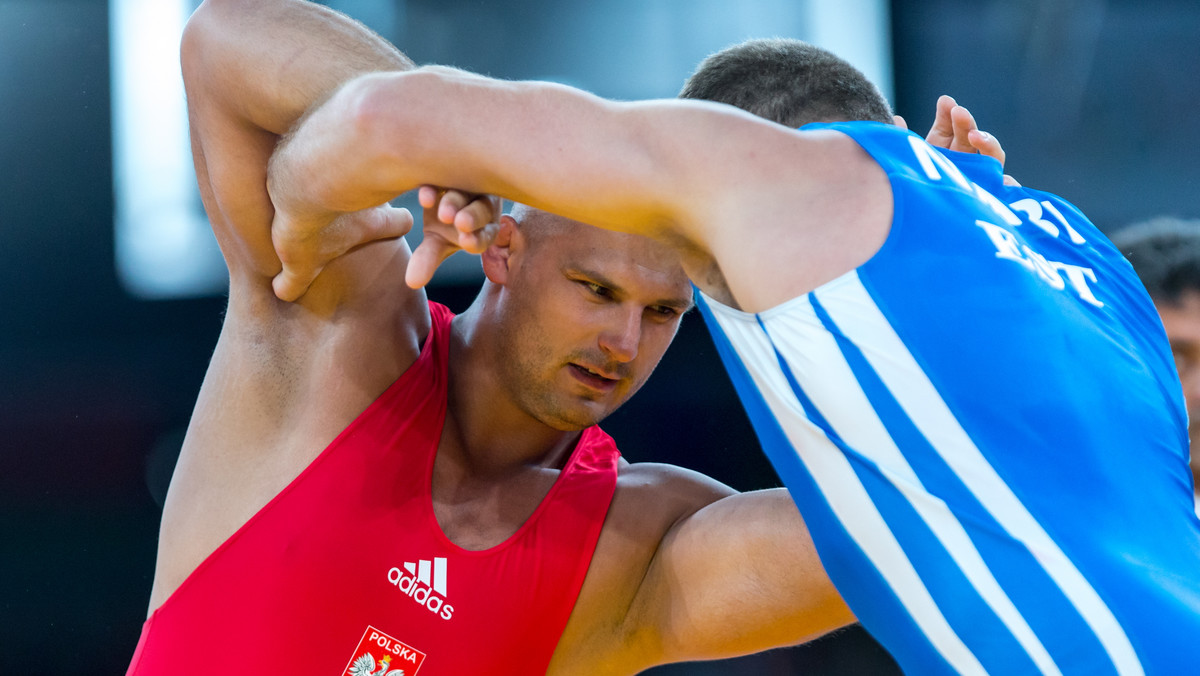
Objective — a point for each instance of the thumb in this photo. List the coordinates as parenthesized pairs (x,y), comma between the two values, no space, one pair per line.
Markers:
(304,258)
(425,260)
(389,223)
(290,284)
(942,131)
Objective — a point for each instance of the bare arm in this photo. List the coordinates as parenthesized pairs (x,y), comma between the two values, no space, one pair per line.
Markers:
(284,379)
(689,569)
(386,134)
(719,184)
(645,167)
(739,576)
(726,574)
(251,69)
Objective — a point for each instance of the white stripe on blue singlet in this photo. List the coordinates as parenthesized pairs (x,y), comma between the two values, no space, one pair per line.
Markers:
(855,314)
(842,489)
(848,410)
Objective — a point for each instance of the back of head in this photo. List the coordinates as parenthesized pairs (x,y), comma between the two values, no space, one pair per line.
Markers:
(789,82)
(1165,253)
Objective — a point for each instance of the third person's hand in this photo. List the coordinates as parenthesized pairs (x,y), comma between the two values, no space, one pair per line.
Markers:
(453,221)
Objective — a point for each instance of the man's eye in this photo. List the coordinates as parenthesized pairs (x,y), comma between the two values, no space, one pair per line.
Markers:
(664,310)
(598,290)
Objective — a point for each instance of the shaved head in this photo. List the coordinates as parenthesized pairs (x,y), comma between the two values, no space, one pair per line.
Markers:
(537,226)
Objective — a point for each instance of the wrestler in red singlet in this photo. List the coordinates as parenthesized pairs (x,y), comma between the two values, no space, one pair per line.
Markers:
(346,571)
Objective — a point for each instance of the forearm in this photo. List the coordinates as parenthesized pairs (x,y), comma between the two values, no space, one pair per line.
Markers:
(552,147)
(267,61)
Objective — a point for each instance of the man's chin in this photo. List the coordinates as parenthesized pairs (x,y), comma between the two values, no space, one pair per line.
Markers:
(577,417)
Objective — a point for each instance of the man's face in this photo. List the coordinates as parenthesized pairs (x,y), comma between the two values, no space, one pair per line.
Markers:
(1182,322)
(588,313)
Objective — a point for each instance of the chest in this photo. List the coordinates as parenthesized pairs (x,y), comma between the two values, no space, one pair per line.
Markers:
(478,511)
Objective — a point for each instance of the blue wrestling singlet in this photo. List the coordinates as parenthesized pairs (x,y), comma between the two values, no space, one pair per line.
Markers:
(984,430)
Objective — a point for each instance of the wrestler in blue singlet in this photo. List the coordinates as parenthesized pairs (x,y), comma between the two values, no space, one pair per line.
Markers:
(984,430)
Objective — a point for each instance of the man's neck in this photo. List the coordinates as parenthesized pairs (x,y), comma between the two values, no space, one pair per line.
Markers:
(492,435)
(495,464)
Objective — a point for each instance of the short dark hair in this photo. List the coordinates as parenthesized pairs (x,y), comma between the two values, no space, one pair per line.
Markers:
(788,81)
(1165,254)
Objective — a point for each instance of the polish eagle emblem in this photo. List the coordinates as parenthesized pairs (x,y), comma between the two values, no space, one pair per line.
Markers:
(365,666)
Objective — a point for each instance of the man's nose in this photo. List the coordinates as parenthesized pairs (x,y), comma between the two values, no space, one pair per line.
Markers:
(621,339)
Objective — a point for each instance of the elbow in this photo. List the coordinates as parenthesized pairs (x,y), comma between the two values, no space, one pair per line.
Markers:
(373,114)
(390,112)
(225,7)
(403,131)
(198,32)
(203,26)
(373,102)
(392,99)
(204,32)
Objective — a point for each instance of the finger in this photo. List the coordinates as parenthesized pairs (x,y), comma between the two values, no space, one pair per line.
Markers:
(429,216)
(290,284)
(451,203)
(303,260)
(987,144)
(495,207)
(963,123)
(299,266)
(478,212)
(476,215)
(477,241)
(425,261)
(899,122)
(388,223)
(355,229)
(427,195)
(942,131)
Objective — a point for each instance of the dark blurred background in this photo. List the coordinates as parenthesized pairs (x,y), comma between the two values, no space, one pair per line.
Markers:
(102,352)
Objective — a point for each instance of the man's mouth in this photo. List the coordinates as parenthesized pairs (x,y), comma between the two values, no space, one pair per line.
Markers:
(594,379)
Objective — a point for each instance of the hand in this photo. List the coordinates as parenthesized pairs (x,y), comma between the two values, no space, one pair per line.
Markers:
(453,221)
(305,249)
(954,128)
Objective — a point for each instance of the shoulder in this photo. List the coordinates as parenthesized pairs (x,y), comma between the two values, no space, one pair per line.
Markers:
(650,499)
(799,210)
(677,489)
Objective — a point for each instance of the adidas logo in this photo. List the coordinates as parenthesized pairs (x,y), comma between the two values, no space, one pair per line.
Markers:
(425,583)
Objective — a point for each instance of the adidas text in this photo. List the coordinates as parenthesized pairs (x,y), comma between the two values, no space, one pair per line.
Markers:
(420,593)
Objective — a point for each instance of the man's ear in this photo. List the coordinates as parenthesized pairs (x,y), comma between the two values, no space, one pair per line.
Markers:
(498,258)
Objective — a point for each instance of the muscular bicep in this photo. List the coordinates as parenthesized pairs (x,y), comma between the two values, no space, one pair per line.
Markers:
(739,576)
(251,69)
